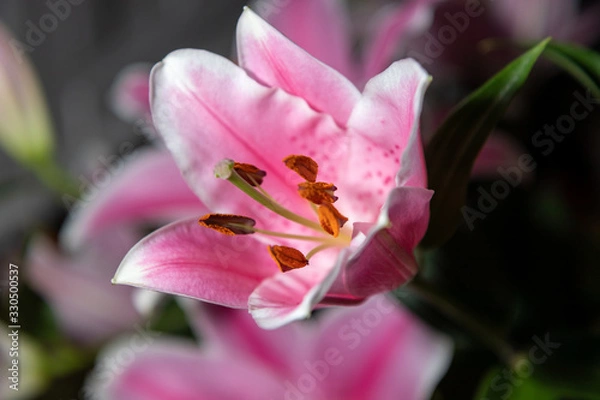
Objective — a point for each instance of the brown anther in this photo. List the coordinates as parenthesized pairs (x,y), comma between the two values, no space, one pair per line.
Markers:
(318,192)
(228,224)
(331,219)
(287,258)
(304,166)
(249,173)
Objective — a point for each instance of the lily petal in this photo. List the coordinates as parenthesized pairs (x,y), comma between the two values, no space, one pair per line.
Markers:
(322,28)
(275,61)
(208,109)
(387,353)
(386,260)
(185,372)
(185,259)
(292,295)
(149,188)
(385,149)
(393,26)
(234,332)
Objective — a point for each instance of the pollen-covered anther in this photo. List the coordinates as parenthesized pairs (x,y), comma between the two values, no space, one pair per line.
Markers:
(287,258)
(318,192)
(248,172)
(331,219)
(304,166)
(228,224)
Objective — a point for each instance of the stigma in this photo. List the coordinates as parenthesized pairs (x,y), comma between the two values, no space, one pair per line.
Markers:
(327,223)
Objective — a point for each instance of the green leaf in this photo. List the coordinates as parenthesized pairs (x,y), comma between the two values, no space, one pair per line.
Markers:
(453,149)
(583,64)
(505,384)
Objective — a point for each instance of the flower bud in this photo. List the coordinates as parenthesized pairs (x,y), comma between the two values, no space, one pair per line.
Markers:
(25,127)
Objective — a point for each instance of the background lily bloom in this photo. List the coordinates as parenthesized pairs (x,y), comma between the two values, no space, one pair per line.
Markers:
(375,351)
(536,19)
(148,190)
(323,29)
(129,95)
(208,109)
(78,287)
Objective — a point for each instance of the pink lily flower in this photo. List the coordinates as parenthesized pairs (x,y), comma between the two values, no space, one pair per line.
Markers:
(133,199)
(210,111)
(376,351)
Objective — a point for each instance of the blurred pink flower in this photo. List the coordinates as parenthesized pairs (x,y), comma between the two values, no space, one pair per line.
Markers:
(130,93)
(376,351)
(323,29)
(147,190)
(88,308)
(207,109)
(537,19)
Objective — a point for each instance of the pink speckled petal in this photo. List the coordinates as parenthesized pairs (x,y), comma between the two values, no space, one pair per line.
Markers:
(385,149)
(386,260)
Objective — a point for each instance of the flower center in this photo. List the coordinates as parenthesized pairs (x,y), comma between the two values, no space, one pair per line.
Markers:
(327,225)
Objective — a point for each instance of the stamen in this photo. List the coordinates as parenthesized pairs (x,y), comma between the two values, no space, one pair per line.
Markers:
(287,258)
(318,192)
(331,219)
(249,173)
(228,224)
(304,166)
(225,170)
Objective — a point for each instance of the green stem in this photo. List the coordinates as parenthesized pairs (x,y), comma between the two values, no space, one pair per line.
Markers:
(293,236)
(318,249)
(55,178)
(464,318)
